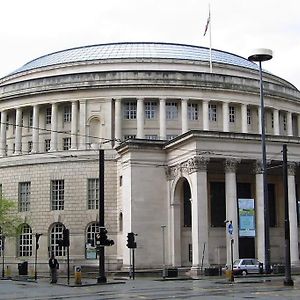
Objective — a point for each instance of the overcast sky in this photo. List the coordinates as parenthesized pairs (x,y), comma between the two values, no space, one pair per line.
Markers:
(32,28)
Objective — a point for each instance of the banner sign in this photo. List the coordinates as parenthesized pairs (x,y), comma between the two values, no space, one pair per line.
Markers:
(246,218)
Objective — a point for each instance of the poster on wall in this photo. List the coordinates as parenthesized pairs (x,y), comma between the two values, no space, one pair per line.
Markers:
(246,218)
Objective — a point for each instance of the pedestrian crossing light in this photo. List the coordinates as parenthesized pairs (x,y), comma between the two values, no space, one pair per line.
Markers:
(130,240)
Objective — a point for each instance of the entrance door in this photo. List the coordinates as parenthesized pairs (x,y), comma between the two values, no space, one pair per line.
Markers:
(247,247)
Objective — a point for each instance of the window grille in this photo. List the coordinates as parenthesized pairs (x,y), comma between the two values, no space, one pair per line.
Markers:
(130,110)
(55,235)
(93,193)
(24,196)
(25,241)
(57,194)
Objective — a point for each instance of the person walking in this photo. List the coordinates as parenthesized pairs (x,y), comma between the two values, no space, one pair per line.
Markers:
(53,265)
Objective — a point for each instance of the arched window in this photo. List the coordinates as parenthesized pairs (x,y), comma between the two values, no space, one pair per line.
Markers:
(56,233)
(25,241)
(94,130)
(120,221)
(91,230)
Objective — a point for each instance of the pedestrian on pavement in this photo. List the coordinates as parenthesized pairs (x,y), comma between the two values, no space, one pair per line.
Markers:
(54,266)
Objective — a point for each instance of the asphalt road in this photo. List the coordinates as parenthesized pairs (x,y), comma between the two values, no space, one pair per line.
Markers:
(141,288)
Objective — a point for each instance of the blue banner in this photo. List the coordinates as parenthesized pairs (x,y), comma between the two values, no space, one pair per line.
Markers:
(246,218)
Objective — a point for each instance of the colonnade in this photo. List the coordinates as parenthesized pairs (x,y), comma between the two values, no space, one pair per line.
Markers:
(197,172)
(79,121)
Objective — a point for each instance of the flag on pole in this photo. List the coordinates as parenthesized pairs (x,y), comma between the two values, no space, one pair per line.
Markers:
(207,24)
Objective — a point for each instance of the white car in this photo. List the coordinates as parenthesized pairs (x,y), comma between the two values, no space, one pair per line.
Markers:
(246,266)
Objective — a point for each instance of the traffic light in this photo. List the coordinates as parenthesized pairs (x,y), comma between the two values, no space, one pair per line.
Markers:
(102,239)
(103,236)
(66,237)
(37,237)
(130,240)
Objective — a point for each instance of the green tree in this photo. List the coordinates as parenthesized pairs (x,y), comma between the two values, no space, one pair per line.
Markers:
(9,221)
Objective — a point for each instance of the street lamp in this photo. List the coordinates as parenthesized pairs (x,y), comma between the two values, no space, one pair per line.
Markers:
(102,277)
(260,55)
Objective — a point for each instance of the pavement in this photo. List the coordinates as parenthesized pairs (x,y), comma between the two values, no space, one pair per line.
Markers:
(214,287)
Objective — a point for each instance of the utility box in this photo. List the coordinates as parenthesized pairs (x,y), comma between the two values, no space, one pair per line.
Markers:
(23,268)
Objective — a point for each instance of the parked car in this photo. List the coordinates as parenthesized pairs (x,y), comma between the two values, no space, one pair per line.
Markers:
(246,266)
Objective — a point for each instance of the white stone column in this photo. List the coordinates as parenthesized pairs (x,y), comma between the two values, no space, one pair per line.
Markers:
(18,132)
(298,121)
(140,118)
(3,133)
(198,175)
(53,142)
(289,123)
(225,106)
(231,208)
(162,119)
(293,214)
(259,209)
(184,115)
(205,115)
(118,119)
(244,118)
(74,121)
(276,122)
(35,129)
(82,125)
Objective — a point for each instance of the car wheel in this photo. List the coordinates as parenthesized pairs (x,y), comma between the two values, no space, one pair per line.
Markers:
(244,272)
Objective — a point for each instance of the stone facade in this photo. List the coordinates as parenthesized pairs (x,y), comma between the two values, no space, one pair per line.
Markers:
(181,144)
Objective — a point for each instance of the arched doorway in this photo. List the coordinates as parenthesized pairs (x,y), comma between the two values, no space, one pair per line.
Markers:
(183,223)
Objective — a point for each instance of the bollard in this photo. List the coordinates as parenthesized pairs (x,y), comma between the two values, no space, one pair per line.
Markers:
(77,275)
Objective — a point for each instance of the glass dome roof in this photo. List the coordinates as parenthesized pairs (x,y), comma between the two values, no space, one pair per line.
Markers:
(135,51)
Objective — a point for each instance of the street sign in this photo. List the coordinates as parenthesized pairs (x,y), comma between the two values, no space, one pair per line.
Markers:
(230,228)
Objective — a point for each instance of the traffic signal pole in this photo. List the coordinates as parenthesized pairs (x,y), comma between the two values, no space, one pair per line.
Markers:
(101,278)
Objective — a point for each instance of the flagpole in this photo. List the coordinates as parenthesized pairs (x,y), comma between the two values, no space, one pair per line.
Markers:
(210,56)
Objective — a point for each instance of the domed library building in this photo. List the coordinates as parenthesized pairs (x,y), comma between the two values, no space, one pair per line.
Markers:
(182,155)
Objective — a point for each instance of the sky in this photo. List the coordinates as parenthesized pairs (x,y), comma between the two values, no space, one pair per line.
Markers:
(32,28)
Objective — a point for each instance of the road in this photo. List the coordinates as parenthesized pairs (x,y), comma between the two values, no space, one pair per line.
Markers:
(141,288)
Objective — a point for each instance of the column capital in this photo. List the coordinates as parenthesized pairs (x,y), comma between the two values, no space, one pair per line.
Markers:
(197,163)
(291,168)
(230,164)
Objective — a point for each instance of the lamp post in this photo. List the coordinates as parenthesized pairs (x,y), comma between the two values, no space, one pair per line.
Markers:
(288,281)
(260,55)
(102,277)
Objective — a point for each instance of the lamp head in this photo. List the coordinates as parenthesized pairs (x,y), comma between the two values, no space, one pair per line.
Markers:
(261,54)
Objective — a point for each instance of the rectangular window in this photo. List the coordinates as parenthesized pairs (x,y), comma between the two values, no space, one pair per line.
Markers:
(284,122)
(231,114)
(272,205)
(48,115)
(150,110)
(130,110)
(151,136)
(129,136)
(7,122)
(29,146)
(24,196)
(30,119)
(67,113)
(217,204)
(171,110)
(193,111)
(171,136)
(248,116)
(47,145)
(66,143)
(93,193)
(212,112)
(57,194)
